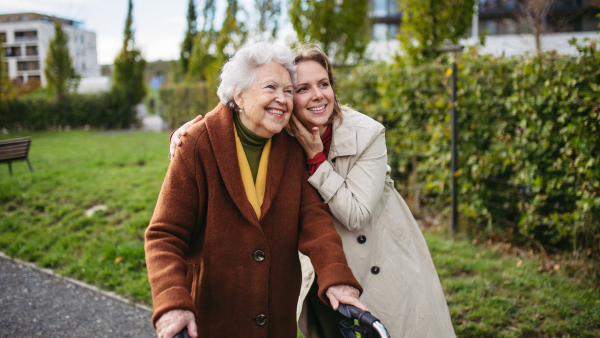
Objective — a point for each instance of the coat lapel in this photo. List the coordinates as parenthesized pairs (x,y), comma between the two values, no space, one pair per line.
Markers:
(277,160)
(219,124)
(343,142)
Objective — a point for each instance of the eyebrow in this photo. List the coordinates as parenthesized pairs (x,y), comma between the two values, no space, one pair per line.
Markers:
(323,79)
(275,82)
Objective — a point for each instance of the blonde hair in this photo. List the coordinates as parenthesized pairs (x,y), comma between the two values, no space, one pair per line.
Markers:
(312,52)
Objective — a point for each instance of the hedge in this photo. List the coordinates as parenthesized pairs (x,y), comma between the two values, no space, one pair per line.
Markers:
(180,103)
(528,141)
(103,110)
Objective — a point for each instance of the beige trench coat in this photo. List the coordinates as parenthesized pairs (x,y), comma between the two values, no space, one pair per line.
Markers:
(394,266)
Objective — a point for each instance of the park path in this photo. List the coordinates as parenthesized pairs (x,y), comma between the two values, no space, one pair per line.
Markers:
(37,304)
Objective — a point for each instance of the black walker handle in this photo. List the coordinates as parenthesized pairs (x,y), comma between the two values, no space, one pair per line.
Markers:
(182,334)
(369,326)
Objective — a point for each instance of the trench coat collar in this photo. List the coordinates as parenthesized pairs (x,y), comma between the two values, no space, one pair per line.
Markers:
(343,142)
(219,124)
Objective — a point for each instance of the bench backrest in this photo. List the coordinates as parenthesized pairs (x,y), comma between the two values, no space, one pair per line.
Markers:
(15,149)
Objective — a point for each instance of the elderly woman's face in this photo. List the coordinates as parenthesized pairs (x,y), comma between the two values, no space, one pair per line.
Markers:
(268,103)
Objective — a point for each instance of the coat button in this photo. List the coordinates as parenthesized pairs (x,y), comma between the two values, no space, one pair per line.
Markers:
(259,255)
(261,319)
(361,239)
(333,160)
(375,270)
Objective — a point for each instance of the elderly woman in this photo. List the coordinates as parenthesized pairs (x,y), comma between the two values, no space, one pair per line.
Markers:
(233,211)
(347,160)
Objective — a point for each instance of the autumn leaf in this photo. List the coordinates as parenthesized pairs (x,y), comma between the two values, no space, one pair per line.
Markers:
(118,259)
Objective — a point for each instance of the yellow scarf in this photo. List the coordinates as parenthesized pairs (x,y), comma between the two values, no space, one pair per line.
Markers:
(254,192)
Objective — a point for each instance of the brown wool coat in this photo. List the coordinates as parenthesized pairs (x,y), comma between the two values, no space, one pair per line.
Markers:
(201,241)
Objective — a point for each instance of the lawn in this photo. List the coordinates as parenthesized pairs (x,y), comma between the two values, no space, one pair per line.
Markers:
(43,220)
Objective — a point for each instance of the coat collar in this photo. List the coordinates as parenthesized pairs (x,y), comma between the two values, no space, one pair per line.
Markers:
(344,139)
(219,125)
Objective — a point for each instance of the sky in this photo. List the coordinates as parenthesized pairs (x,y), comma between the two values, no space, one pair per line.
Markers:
(159,25)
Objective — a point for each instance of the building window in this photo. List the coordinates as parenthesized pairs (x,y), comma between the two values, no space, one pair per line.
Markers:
(31,50)
(384,8)
(24,18)
(2,37)
(34,78)
(492,27)
(25,36)
(13,51)
(28,65)
(385,31)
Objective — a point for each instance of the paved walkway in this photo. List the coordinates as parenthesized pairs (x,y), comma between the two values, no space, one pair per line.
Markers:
(36,304)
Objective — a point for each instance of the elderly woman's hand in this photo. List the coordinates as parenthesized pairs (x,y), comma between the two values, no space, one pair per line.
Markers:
(344,294)
(310,141)
(174,321)
(182,131)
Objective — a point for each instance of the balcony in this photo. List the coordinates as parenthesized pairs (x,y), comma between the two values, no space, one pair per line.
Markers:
(26,36)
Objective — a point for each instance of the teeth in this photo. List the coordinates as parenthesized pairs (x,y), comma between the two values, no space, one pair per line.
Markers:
(316,109)
(275,112)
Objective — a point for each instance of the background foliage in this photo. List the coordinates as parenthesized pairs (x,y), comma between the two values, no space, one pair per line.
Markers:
(344,37)
(183,102)
(39,112)
(529,141)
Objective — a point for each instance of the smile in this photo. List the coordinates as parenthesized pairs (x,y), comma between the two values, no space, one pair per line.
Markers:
(275,112)
(318,109)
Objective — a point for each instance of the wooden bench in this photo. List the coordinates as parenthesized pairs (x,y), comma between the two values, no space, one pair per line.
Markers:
(15,149)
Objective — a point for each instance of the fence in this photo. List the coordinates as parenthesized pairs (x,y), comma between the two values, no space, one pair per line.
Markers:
(528,142)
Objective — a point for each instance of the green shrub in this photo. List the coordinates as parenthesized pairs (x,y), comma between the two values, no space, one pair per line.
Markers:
(528,141)
(38,112)
(182,102)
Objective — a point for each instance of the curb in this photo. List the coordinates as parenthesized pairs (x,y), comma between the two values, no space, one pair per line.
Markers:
(76,282)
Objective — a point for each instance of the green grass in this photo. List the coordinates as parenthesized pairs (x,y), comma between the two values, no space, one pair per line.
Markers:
(43,220)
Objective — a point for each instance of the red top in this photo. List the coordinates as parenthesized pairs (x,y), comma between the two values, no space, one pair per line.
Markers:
(315,162)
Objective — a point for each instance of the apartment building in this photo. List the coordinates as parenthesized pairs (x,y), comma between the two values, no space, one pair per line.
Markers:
(25,37)
(505,24)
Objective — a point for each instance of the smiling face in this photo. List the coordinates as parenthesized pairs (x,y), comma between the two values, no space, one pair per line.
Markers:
(314,99)
(268,102)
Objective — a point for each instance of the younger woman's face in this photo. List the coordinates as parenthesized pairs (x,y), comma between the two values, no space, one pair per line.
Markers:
(314,98)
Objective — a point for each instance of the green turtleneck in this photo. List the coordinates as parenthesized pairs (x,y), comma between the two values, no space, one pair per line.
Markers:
(253,144)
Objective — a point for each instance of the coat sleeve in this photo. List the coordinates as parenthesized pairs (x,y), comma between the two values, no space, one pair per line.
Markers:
(353,199)
(168,236)
(321,243)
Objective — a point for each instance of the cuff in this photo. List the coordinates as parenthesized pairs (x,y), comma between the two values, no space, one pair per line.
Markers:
(335,274)
(326,181)
(170,137)
(176,298)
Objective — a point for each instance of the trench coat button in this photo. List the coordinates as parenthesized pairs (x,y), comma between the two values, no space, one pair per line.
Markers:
(333,160)
(375,270)
(261,319)
(259,255)
(362,239)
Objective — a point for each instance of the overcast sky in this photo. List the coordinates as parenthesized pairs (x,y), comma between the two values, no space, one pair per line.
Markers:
(159,25)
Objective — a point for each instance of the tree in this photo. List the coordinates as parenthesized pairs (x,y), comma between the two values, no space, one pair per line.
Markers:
(5,86)
(340,27)
(60,74)
(203,50)
(269,10)
(429,24)
(536,13)
(190,34)
(212,48)
(128,75)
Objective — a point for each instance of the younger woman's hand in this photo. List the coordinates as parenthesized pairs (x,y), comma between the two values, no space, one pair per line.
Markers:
(310,141)
(182,131)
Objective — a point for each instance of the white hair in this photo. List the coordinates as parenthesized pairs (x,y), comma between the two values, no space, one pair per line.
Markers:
(240,71)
